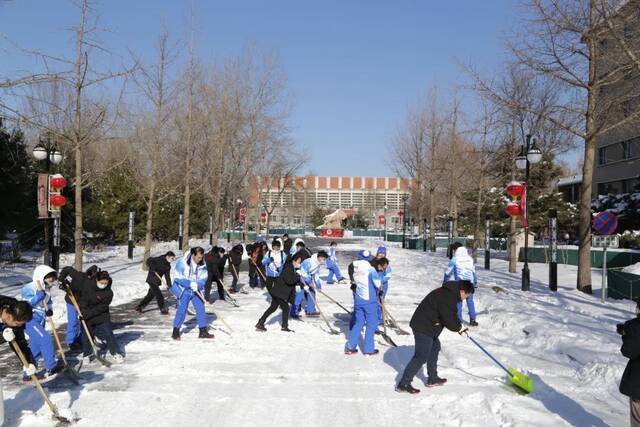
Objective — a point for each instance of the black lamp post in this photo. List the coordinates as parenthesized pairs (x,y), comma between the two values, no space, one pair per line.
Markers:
(48,151)
(405,197)
(529,154)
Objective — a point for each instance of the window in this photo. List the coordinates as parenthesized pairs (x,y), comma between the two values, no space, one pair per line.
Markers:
(602,155)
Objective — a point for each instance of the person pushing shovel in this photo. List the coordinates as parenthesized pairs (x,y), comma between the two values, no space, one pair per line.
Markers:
(438,310)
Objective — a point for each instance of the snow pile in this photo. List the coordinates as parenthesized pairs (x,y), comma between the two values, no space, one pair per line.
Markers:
(632,269)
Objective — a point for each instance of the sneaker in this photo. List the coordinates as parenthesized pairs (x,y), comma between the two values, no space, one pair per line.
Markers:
(286,329)
(436,382)
(176,334)
(260,327)
(330,283)
(350,351)
(314,314)
(473,323)
(204,333)
(406,388)
(164,311)
(297,317)
(138,309)
(118,358)
(373,353)
(231,291)
(53,371)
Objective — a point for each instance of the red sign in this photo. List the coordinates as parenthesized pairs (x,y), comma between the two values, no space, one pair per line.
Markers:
(242,214)
(331,232)
(400,213)
(605,223)
(381,219)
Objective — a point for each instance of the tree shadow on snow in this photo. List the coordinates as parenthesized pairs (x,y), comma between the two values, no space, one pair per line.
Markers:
(398,358)
(562,405)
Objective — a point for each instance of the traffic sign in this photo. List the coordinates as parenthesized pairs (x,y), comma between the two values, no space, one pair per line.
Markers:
(605,223)
(605,241)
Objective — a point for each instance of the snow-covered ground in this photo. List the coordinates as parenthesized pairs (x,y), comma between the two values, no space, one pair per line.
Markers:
(566,341)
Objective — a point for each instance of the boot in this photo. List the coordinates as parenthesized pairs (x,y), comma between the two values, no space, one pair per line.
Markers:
(406,388)
(176,334)
(260,327)
(164,311)
(436,382)
(286,329)
(473,322)
(204,333)
(138,309)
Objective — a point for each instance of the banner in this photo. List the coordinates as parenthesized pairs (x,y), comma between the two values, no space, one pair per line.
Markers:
(43,195)
(523,206)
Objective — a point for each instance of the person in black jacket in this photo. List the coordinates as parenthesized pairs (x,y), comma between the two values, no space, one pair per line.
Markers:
(438,310)
(14,315)
(216,260)
(282,293)
(76,281)
(235,259)
(94,306)
(286,243)
(159,267)
(630,382)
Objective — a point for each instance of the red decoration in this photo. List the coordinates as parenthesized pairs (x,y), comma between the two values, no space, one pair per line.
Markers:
(513,209)
(58,181)
(381,219)
(400,213)
(58,200)
(515,189)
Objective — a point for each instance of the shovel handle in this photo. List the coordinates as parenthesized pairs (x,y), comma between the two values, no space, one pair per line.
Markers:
(491,357)
(204,301)
(53,329)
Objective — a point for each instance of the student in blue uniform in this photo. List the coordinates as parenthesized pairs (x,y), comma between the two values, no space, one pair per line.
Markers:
(273,262)
(332,265)
(365,308)
(461,267)
(37,294)
(309,279)
(384,280)
(191,276)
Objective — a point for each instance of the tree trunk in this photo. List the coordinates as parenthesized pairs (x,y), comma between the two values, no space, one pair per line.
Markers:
(77,233)
(432,217)
(149,226)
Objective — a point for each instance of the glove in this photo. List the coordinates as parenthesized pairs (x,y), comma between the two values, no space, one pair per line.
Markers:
(353,286)
(380,293)
(194,286)
(49,313)
(30,369)
(464,331)
(8,335)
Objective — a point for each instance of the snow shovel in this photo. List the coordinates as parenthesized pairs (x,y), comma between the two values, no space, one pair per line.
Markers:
(72,374)
(315,302)
(334,301)
(34,378)
(386,337)
(86,331)
(237,277)
(516,378)
(214,312)
(390,317)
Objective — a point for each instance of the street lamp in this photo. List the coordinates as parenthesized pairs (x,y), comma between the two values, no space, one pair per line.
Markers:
(405,197)
(529,154)
(385,222)
(48,151)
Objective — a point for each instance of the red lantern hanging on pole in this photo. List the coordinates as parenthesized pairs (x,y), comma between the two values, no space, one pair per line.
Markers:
(513,209)
(515,189)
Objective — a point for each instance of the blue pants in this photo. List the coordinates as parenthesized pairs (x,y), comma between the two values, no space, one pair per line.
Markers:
(103,330)
(74,328)
(183,304)
(40,342)
(301,295)
(364,315)
(470,305)
(427,350)
(334,270)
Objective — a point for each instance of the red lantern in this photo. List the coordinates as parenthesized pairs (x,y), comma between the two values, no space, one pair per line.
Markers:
(513,209)
(515,189)
(381,219)
(58,181)
(58,201)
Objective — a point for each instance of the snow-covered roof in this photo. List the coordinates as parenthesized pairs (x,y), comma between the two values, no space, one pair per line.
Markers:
(568,180)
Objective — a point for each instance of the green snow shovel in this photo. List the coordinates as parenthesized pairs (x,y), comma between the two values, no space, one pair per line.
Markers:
(516,378)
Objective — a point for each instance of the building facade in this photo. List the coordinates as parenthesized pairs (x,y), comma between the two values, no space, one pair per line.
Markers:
(294,200)
(617,159)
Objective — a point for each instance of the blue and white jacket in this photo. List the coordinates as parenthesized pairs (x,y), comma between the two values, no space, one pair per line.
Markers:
(368,281)
(461,267)
(384,278)
(273,263)
(331,251)
(187,272)
(310,271)
(35,295)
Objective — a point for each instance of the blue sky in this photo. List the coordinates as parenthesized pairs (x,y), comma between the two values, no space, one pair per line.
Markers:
(353,67)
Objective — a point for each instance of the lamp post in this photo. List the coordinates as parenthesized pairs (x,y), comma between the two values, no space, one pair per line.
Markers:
(385,222)
(529,154)
(48,151)
(405,197)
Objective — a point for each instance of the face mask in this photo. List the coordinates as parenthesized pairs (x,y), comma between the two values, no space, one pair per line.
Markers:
(102,285)
(49,285)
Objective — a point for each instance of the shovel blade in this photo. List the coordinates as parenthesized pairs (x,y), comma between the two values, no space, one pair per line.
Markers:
(521,381)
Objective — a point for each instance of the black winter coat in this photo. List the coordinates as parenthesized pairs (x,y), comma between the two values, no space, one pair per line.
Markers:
(18,332)
(94,304)
(630,383)
(235,255)
(438,310)
(159,266)
(78,281)
(285,284)
(305,252)
(287,246)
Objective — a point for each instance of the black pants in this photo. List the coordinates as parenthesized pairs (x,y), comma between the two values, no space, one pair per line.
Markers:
(426,351)
(234,283)
(207,290)
(154,291)
(275,303)
(104,331)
